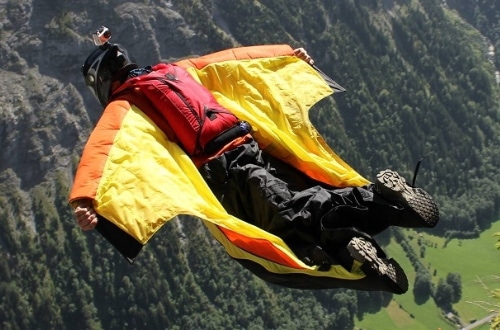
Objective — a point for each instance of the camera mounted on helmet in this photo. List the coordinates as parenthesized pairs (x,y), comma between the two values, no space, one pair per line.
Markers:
(101,36)
(108,63)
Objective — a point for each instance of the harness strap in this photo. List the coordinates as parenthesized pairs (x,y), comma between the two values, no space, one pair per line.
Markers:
(240,129)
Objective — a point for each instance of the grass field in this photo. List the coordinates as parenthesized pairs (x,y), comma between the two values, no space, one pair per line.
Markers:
(477,261)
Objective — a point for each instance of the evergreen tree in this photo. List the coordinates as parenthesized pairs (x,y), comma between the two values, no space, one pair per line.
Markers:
(443,296)
(422,289)
(455,281)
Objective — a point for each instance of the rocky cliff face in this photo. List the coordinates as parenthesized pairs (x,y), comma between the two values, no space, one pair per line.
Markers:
(42,116)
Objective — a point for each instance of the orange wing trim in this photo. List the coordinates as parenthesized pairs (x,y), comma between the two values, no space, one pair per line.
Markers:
(241,53)
(95,155)
(259,247)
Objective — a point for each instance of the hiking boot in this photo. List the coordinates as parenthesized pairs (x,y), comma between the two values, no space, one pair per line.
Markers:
(388,270)
(421,210)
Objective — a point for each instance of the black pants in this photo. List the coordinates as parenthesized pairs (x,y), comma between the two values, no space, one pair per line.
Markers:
(274,196)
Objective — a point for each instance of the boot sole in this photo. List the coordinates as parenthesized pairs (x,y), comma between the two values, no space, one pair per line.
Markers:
(388,269)
(424,210)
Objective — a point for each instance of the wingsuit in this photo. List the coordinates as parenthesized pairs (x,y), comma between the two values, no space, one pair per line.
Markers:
(248,163)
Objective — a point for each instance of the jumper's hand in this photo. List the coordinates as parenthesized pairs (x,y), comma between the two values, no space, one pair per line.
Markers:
(302,54)
(85,215)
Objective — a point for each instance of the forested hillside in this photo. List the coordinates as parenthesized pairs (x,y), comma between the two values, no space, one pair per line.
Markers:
(420,80)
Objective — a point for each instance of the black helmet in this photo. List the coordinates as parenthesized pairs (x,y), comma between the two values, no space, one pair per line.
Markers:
(107,63)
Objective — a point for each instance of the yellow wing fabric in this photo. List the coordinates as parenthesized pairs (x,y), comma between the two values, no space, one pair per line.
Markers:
(274,95)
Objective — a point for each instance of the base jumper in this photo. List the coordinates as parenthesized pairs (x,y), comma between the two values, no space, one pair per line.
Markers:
(225,137)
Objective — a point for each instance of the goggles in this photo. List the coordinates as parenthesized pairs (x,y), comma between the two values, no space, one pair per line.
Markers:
(98,75)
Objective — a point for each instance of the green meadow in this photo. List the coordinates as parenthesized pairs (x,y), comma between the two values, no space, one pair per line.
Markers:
(476,260)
